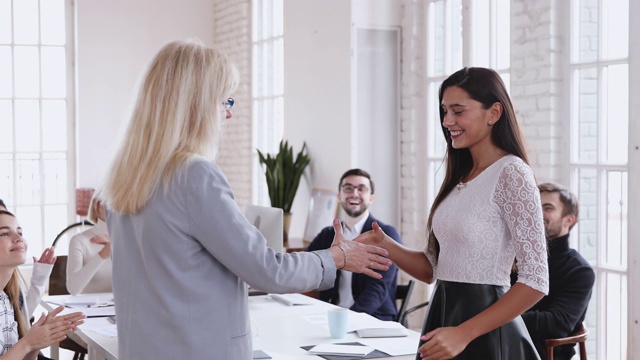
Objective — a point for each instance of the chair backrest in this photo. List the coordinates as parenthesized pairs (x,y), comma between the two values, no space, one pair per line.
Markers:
(403,294)
(579,337)
(58,277)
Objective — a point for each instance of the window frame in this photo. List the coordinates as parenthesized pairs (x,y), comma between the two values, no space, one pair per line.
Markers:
(265,37)
(602,168)
(40,236)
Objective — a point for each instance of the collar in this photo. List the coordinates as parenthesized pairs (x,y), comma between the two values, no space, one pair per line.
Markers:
(559,244)
(357,228)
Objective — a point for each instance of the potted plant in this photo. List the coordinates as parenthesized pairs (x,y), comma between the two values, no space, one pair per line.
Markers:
(283,173)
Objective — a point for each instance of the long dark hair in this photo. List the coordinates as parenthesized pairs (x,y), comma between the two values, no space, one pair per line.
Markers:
(485,86)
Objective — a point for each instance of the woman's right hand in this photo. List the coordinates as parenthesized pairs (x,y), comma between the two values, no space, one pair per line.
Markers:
(357,257)
(373,237)
(103,239)
(52,329)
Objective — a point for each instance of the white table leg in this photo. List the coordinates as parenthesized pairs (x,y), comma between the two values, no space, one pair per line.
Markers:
(94,354)
(54,351)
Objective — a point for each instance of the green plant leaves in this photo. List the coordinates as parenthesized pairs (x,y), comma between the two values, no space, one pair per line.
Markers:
(283,174)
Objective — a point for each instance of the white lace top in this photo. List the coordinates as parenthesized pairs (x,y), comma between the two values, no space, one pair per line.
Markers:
(483,225)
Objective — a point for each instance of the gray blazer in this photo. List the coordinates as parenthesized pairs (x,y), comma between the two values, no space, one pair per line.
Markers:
(181,265)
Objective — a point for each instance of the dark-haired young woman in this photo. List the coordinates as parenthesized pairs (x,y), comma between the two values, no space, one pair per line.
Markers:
(486,215)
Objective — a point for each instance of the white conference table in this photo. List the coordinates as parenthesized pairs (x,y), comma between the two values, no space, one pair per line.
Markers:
(94,331)
(278,330)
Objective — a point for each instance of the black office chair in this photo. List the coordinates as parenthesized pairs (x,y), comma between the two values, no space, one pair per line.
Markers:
(403,294)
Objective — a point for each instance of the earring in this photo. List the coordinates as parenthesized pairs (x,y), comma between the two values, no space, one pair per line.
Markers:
(490,123)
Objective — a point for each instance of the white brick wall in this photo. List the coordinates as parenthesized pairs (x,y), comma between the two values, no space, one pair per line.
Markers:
(232,34)
(536,53)
(413,178)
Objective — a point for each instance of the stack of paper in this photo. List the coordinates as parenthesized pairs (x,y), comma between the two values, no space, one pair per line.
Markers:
(341,350)
(382,332)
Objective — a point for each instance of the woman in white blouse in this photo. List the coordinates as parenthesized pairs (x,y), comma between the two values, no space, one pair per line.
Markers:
(89,263)
(486,215)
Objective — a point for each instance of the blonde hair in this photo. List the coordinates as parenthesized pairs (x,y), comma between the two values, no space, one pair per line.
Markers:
(94,207)
(177,117)
(12,289)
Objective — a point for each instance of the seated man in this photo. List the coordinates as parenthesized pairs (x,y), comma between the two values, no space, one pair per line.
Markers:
(571,278)
(356,291)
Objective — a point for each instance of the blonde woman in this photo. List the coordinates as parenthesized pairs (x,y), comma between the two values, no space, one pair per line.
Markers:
(17,339)
(89,261)
(182,250)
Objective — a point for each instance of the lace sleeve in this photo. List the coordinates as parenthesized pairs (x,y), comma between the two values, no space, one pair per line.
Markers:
(519,200)
(431,252)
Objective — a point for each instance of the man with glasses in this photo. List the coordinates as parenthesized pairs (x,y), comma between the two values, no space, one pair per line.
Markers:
(355,291)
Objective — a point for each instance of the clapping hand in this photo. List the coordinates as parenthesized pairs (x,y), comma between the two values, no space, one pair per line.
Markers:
(51,328)
(47,257)
(357,257)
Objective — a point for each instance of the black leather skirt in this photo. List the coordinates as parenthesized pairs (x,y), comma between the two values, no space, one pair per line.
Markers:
(453,303)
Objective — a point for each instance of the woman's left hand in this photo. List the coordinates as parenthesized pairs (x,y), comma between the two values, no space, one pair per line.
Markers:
(443,343)
(47,257)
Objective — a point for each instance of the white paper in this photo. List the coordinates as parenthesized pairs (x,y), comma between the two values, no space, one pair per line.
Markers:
(359,320)
(393,346)
(337,349)
(102,311)
(292,299)
(382,332)
(99,311)
(81,301)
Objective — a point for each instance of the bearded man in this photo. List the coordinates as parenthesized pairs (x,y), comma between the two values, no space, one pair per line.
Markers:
(354,291)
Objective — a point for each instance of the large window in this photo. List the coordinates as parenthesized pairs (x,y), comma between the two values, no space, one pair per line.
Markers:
(35,111)
(268,87)
(599,81)
(460,33)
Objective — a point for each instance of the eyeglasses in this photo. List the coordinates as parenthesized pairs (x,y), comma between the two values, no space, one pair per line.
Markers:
(350,189)
(228,104)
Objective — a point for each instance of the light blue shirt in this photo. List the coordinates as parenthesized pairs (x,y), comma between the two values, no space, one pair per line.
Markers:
(345,295)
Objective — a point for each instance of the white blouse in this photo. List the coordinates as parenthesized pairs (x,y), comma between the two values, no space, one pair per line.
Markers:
(87,272)
(484,224)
